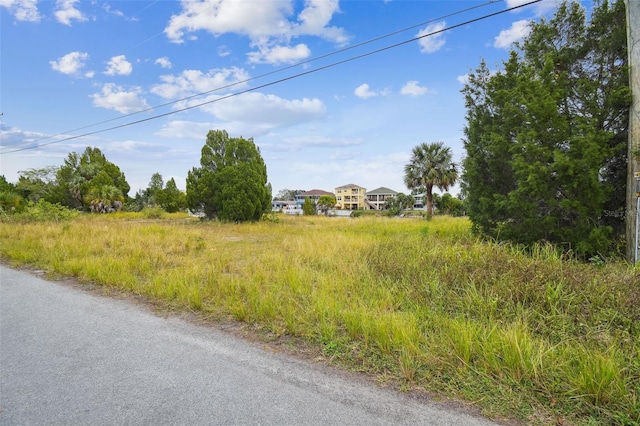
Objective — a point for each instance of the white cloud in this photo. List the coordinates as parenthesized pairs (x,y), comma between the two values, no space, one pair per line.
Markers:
(191,82)
(264,22)
(518,31)
(412,88)
(314,141)
(279,54)
(463,79)
(22,10)
(249,115)
(266,111)
(364,92)
(164,62)
(254,19)
(107,8)
(118,65)
(71,63)
(12,137)
(223,51)
(117,98)
(432,43)
(179,129)
(541,7)
(313,20)
(66,12)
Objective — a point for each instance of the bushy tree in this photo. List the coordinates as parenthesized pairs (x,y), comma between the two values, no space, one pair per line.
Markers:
(10,199)
(450,205)
(308,207)
(38,184)
(326,202)
(75,179)
(231,182)
(546,135)
(288,194)
(399,203)
(431,165)
(170,198)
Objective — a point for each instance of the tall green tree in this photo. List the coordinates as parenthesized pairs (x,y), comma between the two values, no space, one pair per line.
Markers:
(308,207)
(75,177)
(546,135)
(431,165)
(156,184)
(231,182)
(170,198)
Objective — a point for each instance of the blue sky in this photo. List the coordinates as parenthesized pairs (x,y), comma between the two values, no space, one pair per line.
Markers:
(68,64)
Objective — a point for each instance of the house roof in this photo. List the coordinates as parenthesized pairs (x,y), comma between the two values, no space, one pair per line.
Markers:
(349,185)
(382,190)
(316,192)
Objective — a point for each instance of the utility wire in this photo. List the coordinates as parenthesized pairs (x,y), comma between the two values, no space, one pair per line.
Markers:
(373,52)
(308,61)
(258,76)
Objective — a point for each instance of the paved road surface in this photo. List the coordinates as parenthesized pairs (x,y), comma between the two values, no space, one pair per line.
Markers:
(68,357)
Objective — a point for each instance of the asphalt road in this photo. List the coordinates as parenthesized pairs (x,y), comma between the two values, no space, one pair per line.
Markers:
(70,357)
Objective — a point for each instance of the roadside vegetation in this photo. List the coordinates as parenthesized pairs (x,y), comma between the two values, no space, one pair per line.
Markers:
(525,333)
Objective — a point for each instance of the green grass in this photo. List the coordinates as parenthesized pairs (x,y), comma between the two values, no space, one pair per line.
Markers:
(523,334)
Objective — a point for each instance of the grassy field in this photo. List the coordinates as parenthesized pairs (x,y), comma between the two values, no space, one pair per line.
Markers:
(420,304)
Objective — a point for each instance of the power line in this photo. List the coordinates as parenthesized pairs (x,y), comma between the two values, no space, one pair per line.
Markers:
(308,61)
(353,58)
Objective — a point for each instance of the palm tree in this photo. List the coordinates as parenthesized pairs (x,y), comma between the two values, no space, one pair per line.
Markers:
(105,199)
(431,165)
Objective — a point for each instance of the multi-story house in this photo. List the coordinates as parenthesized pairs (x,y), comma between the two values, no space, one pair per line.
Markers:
(420,201)
(350,197)
(314,194)
(376,199)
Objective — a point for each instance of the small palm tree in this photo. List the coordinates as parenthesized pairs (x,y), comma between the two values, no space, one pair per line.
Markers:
(431,165)
(104,199)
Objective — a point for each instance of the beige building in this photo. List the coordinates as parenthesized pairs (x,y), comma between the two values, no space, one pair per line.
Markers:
(377,198)
(350,197)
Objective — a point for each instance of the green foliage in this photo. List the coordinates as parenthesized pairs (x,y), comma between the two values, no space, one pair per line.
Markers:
(288,194)
(171,199)
(401,202)
(10,199)
(231,183)
(430,165)
(153,212)
(88,180)
(447,204)
(326,202)
(546,136)
(42,211)
(308,207)
(37,184)
(521,333)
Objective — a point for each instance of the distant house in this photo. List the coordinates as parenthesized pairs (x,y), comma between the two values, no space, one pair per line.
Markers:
(350,197)
(280,205)
(376,199)
(293,209)
(420,201)
(314,194)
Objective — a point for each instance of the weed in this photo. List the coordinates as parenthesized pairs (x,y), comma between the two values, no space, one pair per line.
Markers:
(423,303)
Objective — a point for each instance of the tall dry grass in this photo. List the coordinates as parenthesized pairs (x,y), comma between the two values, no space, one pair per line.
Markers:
(521,333)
